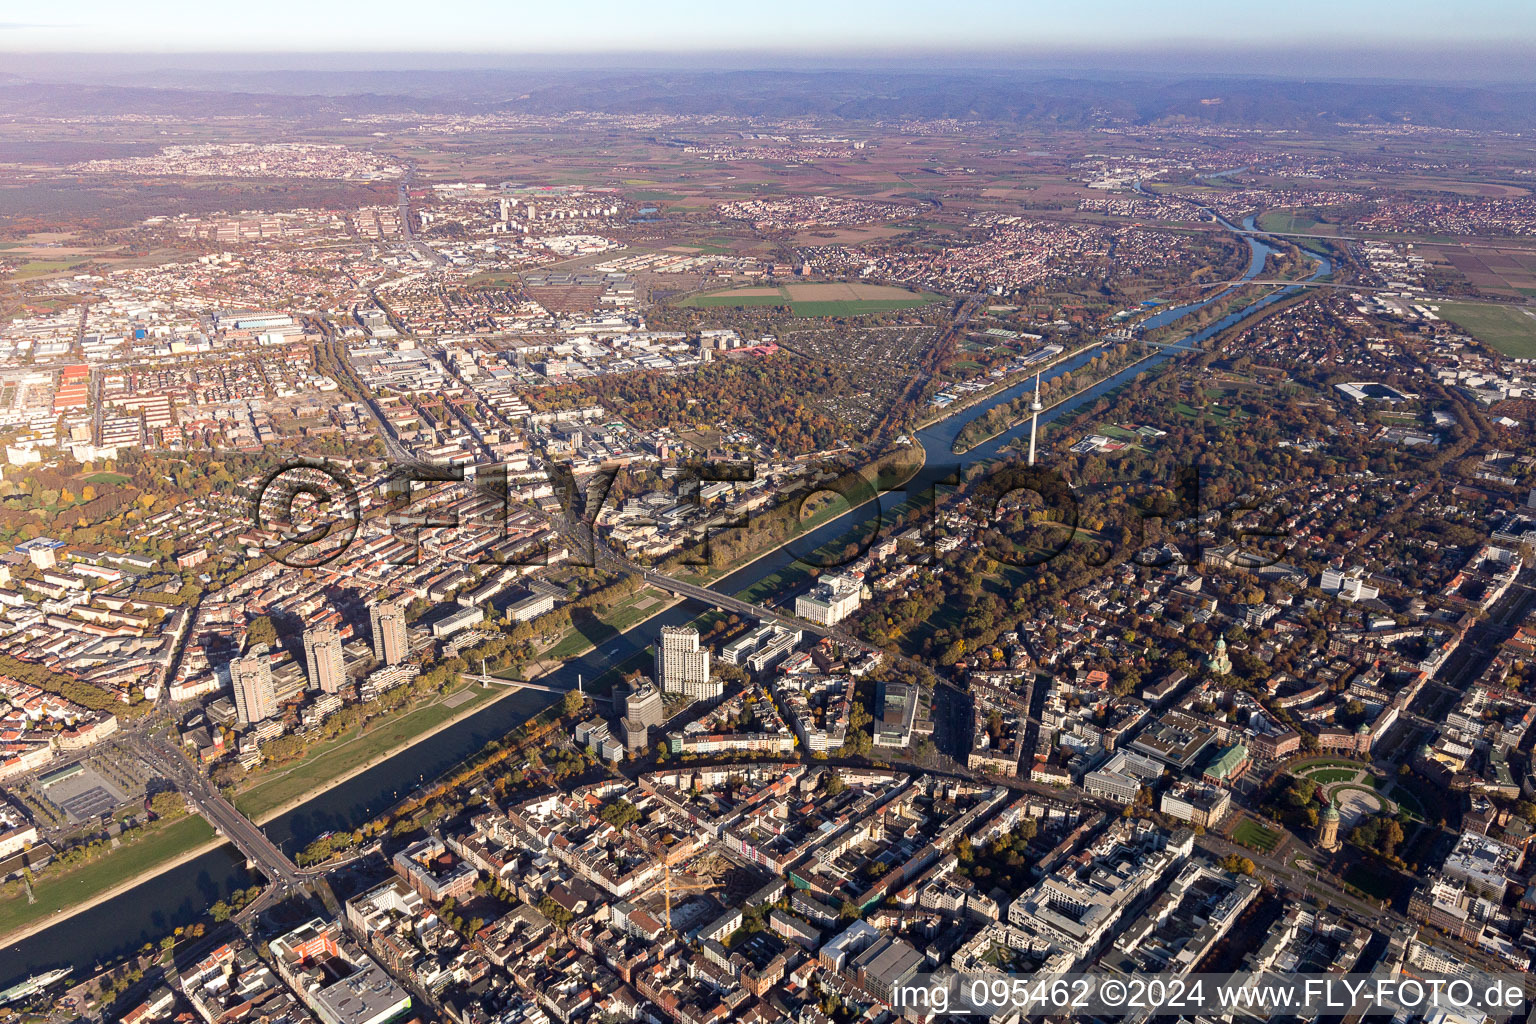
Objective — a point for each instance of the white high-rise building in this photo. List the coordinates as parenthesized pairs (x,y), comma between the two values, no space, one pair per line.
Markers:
(389,641)
(323,662)
(682,666)
(255,693)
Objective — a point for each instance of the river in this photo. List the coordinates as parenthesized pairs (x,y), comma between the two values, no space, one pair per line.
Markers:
(152,909)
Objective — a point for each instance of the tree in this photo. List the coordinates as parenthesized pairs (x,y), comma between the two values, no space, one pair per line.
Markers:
(261,631)
(620,814)
(554,912)
(572,703)
(167,803)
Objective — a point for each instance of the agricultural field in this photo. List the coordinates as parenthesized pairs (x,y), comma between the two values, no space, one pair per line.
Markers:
(1505,271)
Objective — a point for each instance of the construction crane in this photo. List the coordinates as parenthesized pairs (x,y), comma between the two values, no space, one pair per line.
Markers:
(667,886)
(665,858)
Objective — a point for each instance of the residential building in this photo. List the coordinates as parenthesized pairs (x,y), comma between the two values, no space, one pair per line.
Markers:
(682,666)
(322,659)
(389,641)
(251,679)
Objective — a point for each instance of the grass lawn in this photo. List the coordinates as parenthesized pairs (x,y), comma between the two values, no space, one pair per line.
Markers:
(634,608)
(1251,834)
(856,307)
(1509,329)
(1118,433)
(640,660)
(1328,776)
(707,301)
(1327,762)
(336,757)
(41,268)
(786,579)
(822,512)
(1408,801)
(57,892)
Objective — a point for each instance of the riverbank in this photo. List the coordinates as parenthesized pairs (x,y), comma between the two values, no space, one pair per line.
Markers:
(973,400)
(1019,421)
(265,812)
(365,756)
(271,798)
(179,842)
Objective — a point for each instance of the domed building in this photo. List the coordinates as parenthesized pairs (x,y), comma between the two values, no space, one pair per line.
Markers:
(1219,664)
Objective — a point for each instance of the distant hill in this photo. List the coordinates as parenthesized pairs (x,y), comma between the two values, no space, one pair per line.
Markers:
(1029,100)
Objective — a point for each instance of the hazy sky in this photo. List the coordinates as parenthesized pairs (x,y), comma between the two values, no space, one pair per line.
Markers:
(864,26)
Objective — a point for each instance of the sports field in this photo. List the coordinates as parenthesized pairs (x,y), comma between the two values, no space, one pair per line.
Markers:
(1510,329)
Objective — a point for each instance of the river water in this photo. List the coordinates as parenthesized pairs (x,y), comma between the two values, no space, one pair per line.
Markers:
(147,912)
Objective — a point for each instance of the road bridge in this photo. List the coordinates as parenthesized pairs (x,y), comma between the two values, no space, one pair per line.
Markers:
(246,836)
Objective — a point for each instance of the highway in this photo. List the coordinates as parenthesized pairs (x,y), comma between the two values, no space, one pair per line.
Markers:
(405,226)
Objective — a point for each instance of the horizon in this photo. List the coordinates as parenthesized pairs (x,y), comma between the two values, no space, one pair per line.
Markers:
(1481,40)
(1477,65)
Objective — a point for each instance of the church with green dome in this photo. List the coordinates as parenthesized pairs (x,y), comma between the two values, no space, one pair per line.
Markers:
(1218,664)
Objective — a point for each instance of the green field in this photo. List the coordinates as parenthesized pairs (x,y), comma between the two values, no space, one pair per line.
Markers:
(114,479)
(1408,801)
(1255,836)
(1118,433)
(811,307)
(639,661)
(855,307)
(336,757)
(121,865)
(712,301)
(1327,762)
(1286,222)
(1214,413)
(42,268)
(1509,329)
